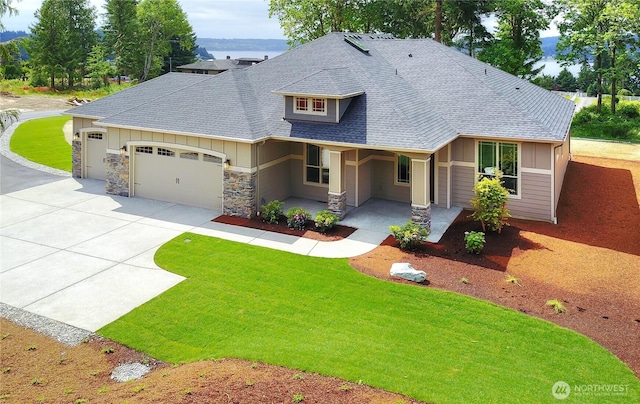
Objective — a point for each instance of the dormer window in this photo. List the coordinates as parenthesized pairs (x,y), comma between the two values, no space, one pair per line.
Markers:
(308,105)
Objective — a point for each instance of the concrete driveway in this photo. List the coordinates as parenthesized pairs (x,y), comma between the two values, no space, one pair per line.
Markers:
(70,253)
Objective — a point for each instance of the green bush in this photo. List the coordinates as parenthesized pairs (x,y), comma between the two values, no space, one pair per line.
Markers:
(490,203)
(409,236)
(630,110)
(271,211)
(474,241)
(297,218)
(325,220)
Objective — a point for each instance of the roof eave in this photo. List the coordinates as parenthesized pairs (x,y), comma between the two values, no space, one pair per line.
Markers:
(319,95)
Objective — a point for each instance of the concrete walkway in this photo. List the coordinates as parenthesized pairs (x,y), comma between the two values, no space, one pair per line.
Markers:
(71,253)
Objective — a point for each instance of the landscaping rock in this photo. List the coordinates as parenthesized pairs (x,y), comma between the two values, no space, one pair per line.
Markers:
(407,271)
(129,371)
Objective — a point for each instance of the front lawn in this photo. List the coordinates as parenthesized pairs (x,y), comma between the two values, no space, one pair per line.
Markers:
(320,315)
(42,141)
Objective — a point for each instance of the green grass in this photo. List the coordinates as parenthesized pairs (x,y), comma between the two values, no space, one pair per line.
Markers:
(320,315)
(42,141)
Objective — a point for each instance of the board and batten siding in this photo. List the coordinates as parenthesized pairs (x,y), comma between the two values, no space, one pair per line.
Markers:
(240,154)
(275,167)
(462,185)
(443,180)
(384,186)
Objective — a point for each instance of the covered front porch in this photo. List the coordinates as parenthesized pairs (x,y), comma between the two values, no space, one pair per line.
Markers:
(376,215)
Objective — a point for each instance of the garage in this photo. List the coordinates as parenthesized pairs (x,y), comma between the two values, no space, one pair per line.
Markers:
(186,177)
(96,148)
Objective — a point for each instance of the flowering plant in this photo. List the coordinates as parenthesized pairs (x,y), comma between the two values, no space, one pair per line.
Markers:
(297,218)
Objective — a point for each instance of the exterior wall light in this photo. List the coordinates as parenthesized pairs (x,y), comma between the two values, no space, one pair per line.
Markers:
(227,164)
(76,136)
(123,149)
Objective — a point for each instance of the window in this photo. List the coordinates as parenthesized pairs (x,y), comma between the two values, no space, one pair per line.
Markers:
(301,104)
(97,136)
(317,168)
(403,170)
(211,159)
(166,152)
(503,156)
(311,106)
(318,105)
(189,155)
(144,149)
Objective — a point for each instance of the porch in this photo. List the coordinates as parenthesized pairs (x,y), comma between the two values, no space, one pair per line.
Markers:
(376,215)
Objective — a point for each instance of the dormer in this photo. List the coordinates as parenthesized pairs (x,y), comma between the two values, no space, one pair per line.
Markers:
(323,96)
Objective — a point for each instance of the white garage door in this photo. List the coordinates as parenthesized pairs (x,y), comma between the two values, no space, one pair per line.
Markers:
(96,144)
(178,176)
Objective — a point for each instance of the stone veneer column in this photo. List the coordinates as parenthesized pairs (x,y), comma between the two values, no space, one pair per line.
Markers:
(337,203)
(76,158)
(421,216)
(117,174)
(239,196)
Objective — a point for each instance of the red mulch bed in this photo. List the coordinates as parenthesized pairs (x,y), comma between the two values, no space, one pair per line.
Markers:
(338,232)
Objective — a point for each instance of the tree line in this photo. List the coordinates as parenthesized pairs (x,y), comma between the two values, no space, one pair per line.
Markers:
(602,35)
(139,39)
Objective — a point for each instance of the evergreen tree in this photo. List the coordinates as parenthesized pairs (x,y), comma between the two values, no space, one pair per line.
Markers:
(566,81)
(120,35)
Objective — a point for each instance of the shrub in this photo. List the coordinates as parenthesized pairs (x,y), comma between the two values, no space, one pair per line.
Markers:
(325,220)
(557,306)
(297,218)
(629,109)
(474,241)
(490,203)
(272,211)
(410,235)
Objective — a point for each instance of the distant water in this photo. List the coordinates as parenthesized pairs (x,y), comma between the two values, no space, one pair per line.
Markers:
(235,54)
(551,66)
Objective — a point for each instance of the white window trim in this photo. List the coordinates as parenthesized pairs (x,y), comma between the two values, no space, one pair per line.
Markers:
(305,165)
(309,110)
(395,172)
(518,194)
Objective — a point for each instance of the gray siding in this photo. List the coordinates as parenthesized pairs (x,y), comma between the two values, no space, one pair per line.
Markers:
(383,183)
(350,185)
(462,181)
(535,202)
(364,182)
(536,155)
(274,183)
(561,162)
(329,117)
(463,149)
(300,190)
(344,104)
(442,186)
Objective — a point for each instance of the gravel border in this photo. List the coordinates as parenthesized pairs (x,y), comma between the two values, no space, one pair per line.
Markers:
(5,149)
(61,332)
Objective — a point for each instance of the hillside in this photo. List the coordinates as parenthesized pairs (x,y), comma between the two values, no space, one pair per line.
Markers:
(222,44)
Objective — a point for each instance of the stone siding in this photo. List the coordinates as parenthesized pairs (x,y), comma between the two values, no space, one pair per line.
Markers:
(239,198)
(337,204)
(76,159)
(117,174)
(421,216)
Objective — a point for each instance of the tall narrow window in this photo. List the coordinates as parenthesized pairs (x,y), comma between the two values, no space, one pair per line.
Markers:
(317,165)
(501,156)
(403,169)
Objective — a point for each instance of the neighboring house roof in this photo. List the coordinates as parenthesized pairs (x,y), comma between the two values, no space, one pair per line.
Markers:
(410,94)
(220,64)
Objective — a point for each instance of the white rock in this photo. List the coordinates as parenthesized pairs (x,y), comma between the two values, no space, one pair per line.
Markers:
(407,271)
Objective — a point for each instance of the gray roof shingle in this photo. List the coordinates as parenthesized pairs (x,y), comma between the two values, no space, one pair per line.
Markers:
(416,95)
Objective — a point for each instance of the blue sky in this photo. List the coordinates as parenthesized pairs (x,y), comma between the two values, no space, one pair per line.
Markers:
(209,18)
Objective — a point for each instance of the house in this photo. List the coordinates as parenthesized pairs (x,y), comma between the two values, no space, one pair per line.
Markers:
(341,119)
(215,66)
